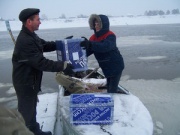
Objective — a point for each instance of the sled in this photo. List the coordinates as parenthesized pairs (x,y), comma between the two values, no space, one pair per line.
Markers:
(130,116)
(90,81)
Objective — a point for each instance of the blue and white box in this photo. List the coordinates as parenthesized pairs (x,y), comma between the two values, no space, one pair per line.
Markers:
(95,109)
(70,50)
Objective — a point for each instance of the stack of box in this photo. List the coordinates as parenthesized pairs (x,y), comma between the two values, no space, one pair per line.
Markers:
(91,109)
(70,50)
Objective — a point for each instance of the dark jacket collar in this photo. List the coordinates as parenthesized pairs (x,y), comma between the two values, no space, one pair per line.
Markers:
(26,30)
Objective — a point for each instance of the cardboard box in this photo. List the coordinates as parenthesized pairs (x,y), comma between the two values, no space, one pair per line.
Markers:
(70,50)
(91,109)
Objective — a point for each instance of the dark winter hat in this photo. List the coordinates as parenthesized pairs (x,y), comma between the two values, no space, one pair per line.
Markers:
(26,13)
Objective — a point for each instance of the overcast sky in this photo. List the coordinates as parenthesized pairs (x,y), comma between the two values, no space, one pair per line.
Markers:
(54,8)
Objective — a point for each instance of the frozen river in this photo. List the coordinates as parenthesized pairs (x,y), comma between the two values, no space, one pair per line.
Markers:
(151,54)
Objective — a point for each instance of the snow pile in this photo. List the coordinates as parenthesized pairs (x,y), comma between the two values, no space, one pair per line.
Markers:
(46,111)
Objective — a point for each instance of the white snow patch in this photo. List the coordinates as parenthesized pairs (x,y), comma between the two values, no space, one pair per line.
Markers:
(152,57)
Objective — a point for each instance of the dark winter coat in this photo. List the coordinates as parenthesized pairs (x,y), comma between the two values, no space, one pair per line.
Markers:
(104,47)
(29,63)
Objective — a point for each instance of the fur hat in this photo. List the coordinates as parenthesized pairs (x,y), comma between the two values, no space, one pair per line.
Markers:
(26,13)
(92,19)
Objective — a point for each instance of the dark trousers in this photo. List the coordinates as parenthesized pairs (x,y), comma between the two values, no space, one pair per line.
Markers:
(27,107)
(112,83)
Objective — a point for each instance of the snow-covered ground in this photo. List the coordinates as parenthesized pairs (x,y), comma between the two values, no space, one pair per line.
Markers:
(83,22)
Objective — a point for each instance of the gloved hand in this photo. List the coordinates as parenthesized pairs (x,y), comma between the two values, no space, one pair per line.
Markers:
(86,44)
(84,38)
(68,70)
(69,37)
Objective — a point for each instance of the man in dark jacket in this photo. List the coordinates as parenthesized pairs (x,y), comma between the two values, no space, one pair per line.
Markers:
(28,66)
(103,45)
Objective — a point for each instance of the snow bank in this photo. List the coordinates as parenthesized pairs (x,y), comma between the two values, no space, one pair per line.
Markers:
(83,22)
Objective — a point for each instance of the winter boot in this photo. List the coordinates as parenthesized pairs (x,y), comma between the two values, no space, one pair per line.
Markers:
(37,131)
(43,133)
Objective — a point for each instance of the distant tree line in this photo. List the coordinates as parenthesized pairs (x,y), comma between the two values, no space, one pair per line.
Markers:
(161,12)
(63,16)
(147,13)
